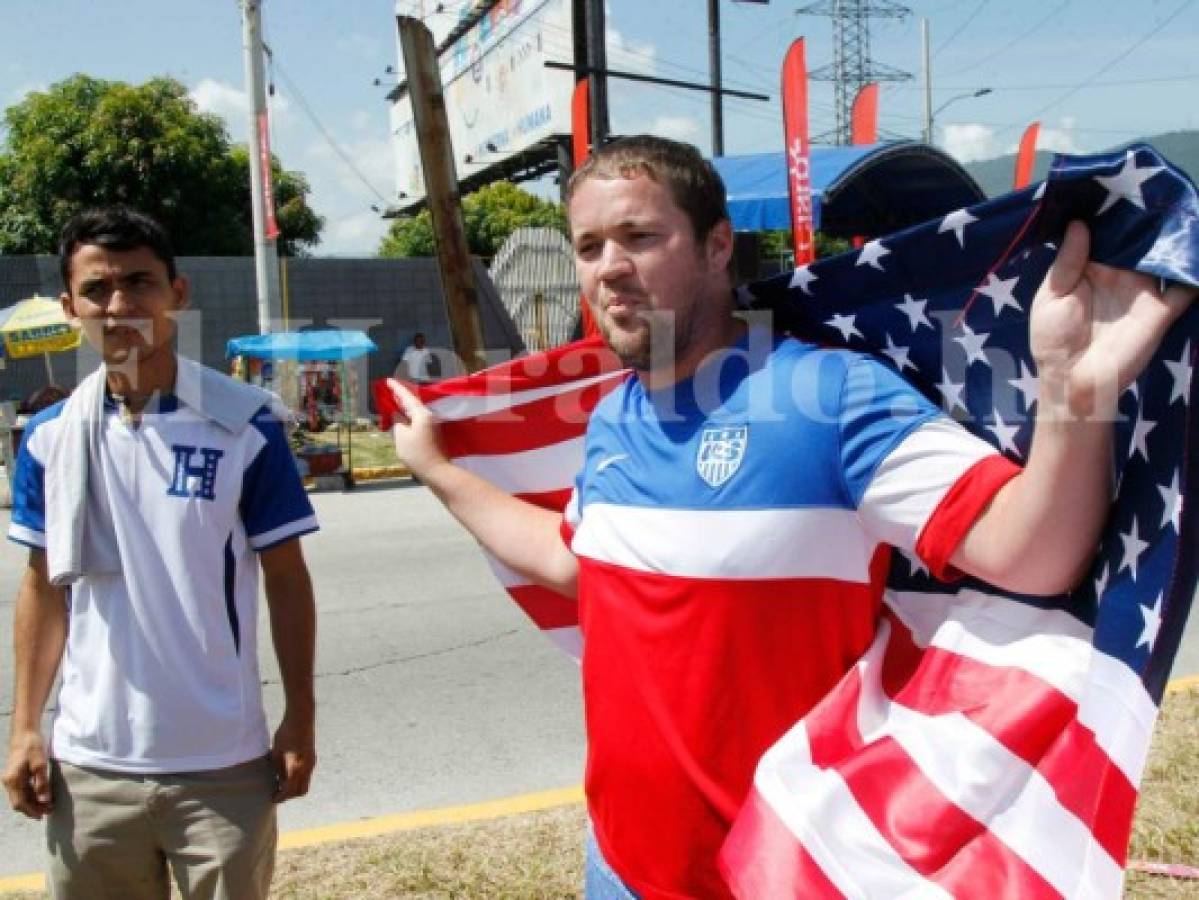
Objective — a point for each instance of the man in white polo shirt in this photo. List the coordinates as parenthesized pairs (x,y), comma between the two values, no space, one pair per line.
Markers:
(148,500)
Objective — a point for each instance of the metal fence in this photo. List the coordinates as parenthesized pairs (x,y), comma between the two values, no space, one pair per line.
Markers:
(534,274)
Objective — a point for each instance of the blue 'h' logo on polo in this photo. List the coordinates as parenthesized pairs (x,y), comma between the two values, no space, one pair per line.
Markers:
(205,473)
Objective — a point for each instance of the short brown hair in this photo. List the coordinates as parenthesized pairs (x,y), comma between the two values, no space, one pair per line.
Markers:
(692,181)
(115,227)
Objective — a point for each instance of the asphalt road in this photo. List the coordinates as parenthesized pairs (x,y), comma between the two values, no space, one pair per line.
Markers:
(433,689)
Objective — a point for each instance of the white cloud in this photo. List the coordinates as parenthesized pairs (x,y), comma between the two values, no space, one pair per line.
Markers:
(374,158)
(357,234)
(25,90)
(970,143)
(338,194)
(680,128)
(1061,139)
(232,103)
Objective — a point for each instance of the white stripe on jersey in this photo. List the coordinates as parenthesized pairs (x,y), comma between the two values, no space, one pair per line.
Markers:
(734,544)
(283,532)
(909,484)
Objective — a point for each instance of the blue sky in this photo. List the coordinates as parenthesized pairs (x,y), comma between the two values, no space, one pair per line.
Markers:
(1096,72)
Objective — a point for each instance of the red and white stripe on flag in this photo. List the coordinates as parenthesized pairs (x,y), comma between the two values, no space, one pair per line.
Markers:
(920,775)
(520,426)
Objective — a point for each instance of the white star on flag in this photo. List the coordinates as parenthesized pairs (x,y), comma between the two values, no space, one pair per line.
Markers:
(1126,184)
(1000,292)
(899,355)
(1172,498)
(951,392)
(1026,384)
(1040,192)
(1181,372)
(914,310)
(1152,617)
(956,222)
(1005,434)
(870,255)
(1133,548)
(1101,582)
(844,324)
(973,345)
(1140,437)
(802,278)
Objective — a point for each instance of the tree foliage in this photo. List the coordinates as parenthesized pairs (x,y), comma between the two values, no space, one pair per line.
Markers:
(489,215)
(88,142)
(778,245)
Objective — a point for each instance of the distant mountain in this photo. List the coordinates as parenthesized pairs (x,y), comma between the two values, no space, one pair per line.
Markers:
(995,175)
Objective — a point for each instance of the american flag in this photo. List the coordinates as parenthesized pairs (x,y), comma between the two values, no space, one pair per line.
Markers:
(988,744)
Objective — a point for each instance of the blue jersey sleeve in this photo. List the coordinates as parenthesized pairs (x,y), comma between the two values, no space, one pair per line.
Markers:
(274,505)
(28,523)
(878,410)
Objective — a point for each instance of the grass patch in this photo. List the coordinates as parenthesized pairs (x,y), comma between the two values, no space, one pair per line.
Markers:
(540,855)
(1166,828)
(535,855)
(372,448)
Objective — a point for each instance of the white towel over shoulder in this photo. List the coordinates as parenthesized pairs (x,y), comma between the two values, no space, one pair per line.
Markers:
(72,548)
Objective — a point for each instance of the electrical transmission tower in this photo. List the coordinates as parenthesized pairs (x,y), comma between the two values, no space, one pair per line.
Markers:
(852,66)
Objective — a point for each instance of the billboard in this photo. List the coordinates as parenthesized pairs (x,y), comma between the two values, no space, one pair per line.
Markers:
(500,98)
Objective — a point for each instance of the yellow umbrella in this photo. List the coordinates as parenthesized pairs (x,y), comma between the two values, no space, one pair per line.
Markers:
(37,325)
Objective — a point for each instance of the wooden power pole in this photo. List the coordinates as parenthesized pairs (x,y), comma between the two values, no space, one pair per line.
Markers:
(441,188)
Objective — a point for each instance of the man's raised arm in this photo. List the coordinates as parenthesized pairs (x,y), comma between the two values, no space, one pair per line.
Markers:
(1093,330)
(522,536)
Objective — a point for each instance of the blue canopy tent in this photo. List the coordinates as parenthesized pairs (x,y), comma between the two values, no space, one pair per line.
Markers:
(306,346)
(864,190)
(320,345)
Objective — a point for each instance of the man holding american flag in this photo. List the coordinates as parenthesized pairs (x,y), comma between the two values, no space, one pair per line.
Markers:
(742,493)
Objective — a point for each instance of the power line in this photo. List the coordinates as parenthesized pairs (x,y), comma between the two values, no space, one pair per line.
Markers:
(1113,62)
(1014,41)
(298,95)
(974,15)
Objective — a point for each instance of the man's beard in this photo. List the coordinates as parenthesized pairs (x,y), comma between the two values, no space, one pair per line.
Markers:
(657,343)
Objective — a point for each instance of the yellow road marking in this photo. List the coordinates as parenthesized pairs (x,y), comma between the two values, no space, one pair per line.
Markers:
(35,882)
(328,834)
(1182,684)
(491,809)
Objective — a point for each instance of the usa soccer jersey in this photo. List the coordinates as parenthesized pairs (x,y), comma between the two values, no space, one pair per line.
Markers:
(733,534)
(169,642)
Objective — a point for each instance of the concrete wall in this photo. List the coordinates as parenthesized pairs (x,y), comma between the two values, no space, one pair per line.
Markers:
(390,299)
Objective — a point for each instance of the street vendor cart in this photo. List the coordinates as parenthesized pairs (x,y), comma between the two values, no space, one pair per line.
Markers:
(324,386)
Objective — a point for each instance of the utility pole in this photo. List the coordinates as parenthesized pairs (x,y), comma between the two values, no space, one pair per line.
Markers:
(597,65)
(266,258)
(928,83)
(441,188)
(714,68)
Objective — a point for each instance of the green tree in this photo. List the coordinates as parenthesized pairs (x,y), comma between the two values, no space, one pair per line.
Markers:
(777,244)
(88,142)
(489,215)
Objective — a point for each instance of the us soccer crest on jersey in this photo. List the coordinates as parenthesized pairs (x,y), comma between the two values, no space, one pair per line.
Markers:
(720,453)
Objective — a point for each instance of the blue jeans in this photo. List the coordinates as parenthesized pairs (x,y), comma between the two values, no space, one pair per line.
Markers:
(599,881)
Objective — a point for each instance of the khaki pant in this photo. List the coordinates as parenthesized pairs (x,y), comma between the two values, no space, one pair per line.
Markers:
(114,834)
